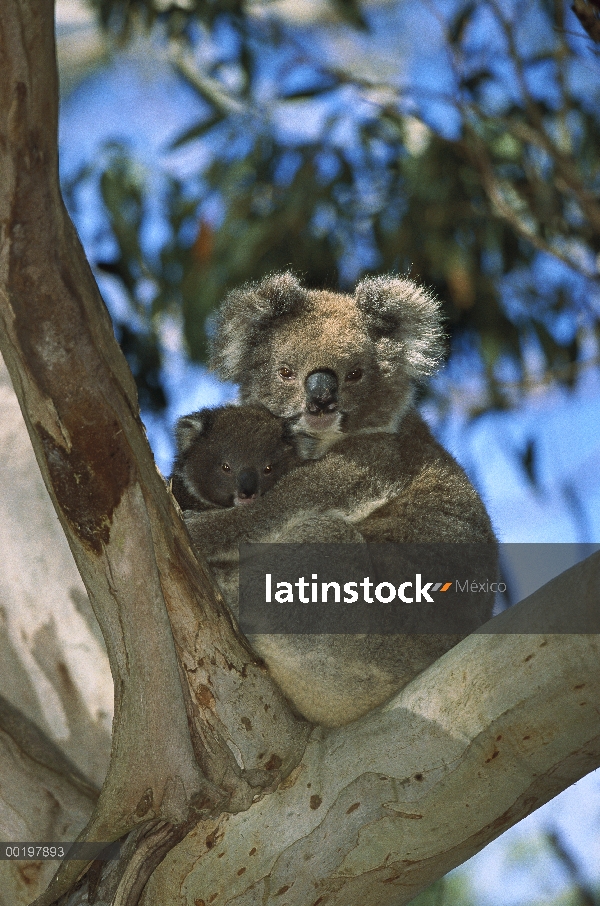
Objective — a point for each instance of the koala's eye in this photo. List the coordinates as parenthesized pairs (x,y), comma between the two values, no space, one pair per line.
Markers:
(286,373)
(226,467)
(267,469)
(354,375)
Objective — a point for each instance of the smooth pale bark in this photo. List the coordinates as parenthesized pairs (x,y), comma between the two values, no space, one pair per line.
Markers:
(53,663)
(380,809)
(178,748)
(43,796)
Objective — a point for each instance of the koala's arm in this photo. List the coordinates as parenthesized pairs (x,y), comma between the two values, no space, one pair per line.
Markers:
(438,503)
(389,487)
(358,475)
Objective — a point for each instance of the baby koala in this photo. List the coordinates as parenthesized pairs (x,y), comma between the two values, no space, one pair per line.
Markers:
(229,456)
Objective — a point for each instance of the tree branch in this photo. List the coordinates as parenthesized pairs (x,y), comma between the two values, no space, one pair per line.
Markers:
(379,809)
(476,151)
(382,807)
(174,652)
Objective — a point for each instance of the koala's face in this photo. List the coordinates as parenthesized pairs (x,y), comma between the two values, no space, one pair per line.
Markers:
(329,363)
(233,455)
(322,371)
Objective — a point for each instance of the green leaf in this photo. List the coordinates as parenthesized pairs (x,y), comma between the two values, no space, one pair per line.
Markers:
(194,132)
(350,11)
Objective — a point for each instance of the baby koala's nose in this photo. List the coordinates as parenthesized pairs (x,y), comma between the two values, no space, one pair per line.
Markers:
(247,484)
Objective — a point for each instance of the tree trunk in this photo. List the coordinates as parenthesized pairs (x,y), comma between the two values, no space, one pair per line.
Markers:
(204,747)
(180,668)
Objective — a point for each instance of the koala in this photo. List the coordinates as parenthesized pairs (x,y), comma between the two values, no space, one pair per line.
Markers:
(342,370)
(229,456)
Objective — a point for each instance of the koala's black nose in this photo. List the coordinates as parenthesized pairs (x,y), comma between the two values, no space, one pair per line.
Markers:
(247,483)
(321,391)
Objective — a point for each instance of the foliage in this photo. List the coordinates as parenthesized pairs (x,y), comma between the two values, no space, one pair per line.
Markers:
(484,187)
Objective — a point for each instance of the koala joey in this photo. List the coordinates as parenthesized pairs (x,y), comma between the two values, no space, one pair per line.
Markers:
(342,370)
(229,456)
(226,457)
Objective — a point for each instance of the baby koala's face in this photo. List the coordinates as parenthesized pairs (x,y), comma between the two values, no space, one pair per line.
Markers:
(232,455)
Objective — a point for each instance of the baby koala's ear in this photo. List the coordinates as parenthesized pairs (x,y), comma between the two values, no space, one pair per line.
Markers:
(189,427)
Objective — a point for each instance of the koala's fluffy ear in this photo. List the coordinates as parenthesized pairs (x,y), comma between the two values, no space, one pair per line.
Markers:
(245,314)
(192,426)
(406,319)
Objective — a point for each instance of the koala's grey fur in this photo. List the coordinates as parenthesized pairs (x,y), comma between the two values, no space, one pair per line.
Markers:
(372,471)
(229,456)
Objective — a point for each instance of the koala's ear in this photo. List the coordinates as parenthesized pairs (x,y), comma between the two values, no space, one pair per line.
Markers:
(282,293)
(189,427)
(406,318)
(243,318)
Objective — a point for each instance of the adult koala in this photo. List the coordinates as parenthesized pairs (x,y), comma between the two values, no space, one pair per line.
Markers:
(342,369)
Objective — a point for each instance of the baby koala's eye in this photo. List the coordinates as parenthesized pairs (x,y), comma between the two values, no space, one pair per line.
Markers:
(267,469)
(226,467)
(286,373)
(354,375)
